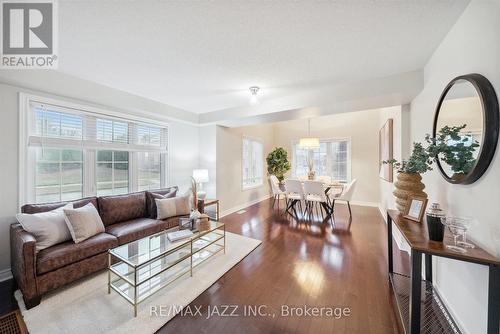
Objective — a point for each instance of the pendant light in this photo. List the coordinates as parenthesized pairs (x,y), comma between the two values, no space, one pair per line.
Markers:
(309,142)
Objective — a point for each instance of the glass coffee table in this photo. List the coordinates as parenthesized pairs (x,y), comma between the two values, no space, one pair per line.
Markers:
(140,268)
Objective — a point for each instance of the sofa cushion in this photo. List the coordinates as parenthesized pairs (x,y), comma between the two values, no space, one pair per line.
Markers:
(60,255)
(44,207)
(134,229)
(117,209)
(172,221)
(158,194)
(140,228)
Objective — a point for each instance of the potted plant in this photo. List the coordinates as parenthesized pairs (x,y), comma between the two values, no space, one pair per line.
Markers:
(454,148)
(277,163)
(409,182)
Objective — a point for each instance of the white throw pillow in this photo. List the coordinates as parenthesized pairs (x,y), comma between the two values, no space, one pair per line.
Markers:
(171,207)
(49,228)
(83,222)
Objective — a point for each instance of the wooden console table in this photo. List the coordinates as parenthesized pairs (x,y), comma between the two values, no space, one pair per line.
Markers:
(428,309)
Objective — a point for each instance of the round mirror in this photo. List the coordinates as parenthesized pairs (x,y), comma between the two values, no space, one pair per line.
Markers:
(466,126)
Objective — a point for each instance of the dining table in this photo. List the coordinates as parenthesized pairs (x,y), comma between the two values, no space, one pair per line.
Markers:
(335,186)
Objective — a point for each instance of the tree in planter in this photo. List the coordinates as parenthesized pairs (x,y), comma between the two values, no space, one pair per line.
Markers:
(453,148)
(277,163)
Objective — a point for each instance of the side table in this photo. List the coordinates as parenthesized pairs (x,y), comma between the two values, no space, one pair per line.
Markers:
(203,203)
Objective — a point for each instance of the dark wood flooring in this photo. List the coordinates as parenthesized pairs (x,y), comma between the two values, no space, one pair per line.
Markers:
(302,263)
(7,300)
(305,262)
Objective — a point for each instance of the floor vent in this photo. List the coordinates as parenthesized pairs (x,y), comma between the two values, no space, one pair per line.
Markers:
(12,324)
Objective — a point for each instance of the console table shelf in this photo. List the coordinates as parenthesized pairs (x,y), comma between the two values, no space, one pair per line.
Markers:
(427,314)
(434,318)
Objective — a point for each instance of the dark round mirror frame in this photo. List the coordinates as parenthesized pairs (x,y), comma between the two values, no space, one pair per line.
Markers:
(488,146)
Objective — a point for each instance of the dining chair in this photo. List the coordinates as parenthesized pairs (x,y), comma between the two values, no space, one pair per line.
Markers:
(294,194)
(314,193)
(275,189)
(345,195)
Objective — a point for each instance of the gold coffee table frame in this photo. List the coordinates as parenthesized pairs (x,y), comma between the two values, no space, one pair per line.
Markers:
(139,269)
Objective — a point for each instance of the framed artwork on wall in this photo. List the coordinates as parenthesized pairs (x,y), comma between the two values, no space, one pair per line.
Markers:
(385,150)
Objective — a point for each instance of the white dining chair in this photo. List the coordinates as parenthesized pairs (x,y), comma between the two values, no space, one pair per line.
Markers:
(275,189)
(345,195)
(314,193)
(294,193)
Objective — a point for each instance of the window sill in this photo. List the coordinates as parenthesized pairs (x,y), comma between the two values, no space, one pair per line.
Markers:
(254,186)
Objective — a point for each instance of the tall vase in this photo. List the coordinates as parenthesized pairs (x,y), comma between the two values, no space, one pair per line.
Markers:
(408,184)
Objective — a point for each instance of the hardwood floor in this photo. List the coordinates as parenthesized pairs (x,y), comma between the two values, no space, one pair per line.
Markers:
(302,263)
(298,263)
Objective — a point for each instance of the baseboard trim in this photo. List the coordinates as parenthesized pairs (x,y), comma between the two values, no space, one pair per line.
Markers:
(450,309)
(243,206)
(5,274)
(364,203)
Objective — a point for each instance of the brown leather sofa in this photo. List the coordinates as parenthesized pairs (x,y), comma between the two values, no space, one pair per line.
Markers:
(125,217)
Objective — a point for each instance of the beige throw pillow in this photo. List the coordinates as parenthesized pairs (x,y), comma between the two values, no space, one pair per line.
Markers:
(171,207)
(48,228)
(83,222)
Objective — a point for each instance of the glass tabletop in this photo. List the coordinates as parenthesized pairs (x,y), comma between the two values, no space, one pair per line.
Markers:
(139,252)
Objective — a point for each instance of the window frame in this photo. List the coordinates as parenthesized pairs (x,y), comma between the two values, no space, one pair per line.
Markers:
(327,140)
(261,142)
(26,176)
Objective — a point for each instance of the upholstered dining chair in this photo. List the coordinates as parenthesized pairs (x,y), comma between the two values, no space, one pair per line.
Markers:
(346,195)
(294,193)
(314,193)
(275,189)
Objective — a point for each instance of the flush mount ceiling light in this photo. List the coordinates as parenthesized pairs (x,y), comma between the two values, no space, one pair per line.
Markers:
(253,98)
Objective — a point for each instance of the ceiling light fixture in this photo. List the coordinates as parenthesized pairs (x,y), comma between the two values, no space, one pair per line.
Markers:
(253,98)
(309,142)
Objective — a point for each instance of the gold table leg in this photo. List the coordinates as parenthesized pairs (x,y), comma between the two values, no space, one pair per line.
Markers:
(109,273)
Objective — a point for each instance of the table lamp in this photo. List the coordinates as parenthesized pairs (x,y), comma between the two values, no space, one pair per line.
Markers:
(201,176)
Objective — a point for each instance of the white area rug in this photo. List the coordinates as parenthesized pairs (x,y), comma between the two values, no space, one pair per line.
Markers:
(86,307)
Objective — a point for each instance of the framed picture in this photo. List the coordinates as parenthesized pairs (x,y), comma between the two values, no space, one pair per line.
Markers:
(415,208)
(385,150)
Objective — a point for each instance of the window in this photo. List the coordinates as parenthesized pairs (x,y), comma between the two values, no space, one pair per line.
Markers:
(149,170)
(112,131)
(58,175)
(332,159)
(252,163)
(112,172)
(69,152)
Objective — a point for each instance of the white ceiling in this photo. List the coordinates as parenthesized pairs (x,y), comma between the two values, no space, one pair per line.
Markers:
(203,56)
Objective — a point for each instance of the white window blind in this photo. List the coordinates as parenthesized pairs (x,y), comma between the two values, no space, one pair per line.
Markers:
(332,159)
(252,162)
(73,153)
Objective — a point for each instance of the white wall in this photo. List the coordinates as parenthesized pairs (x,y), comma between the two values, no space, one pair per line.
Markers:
(229,169)
(472,45)
(400,116)
(361,127)
(183,148)
(208,157)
